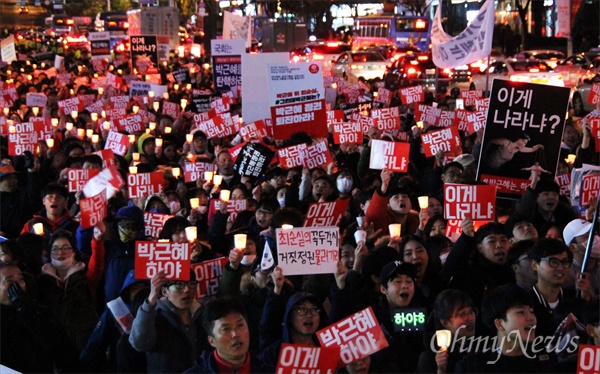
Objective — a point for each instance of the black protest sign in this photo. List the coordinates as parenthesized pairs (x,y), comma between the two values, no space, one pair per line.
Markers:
(523,130)
(253,160)
(182,75)
(144,53)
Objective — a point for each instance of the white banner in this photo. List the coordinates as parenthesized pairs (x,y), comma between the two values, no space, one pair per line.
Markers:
(7,49)
(473,44)
(563,12)
(237,27)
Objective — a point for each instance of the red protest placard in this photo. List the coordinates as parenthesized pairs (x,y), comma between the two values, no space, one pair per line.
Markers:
(170,109)
(446,119)
(316,155)
(460,119)
(477,202)
(564,182)
(414,94)
(351,93)
(217,127)
(254,130)
(131,124)
(386,119)
(116,142)
(145,184)
(475,121)
(482,104)
(108,157)
(365,122)
(70,105)
(114,81)
(234,206)
(347,132)
(23,139)
(309,116)
(115,114)
(389,155)
(295,358)
(43,127)
(427,114)
(172,258)
(453,229)
(208,275)
(118,102)
(335,116)
(203,116)
(506,184)
(290,157)
(93,210)
(326,213)
(221,105)
(470,97)
(590,185)
(588,361)
(63,79)
(79,177)
(594,96)
(357,336)
(595,130)
(192,171)
(446,140)
(384,96)
(154,222)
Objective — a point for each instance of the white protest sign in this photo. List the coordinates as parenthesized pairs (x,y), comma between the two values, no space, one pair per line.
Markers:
(35,99)
(7,49)
(308,250)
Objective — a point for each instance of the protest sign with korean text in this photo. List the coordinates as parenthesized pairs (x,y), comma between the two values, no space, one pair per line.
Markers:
(389,155)
(308,250)
(36,99)
(77,178)
(357,336)
(427,114)
(590,186)
(477,202)
(564,183)
(470,97)
(227,63)
(297,359)
(386,119)
(347,132)
(410,95)
(107,156)
(172,258)
(297,99)
(144,53)
(154,222)
(93,209)
(254,130)
(253,160)
(23,139)
(218,126)
(588,360)
(108,179)
(145,184)
(209,274)
(316,155)
(131,124)
(291,157)
(384,96)
(70,105)
(524,126)
(100,44)
(192,171)
(444,140)
(328,213)
(475,121)
(170,109)
(335,116)
(595,130)
(117,142)
(594,95)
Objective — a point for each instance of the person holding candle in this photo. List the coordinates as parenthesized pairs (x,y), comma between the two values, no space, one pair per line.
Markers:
(174,230)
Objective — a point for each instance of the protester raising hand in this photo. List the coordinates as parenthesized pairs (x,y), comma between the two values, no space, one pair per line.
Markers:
(386,176)
(467,226)
(278,280)
(156,284)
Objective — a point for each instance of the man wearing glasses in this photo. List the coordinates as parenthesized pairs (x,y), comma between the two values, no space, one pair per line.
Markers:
(168,326)
(552,261)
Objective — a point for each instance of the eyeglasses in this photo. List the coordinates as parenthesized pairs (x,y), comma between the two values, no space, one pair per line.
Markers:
(313,311)
(261,212)
(467,313)
(181,285)
(555,262)
(63,249)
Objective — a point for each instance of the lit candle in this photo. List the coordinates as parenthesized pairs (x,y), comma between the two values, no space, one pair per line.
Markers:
(152,126)
(135,109)
(167,130)
(103,113)
(334,85)
(166,96)
(69,126)
(183,103)
(12,129)
(6,111)
(158,142)
(176,87)
(89,133)
(239,241)
(50,142)
(176,172)
(217,179)
(131,139)
(194,202)
(360,236)
(133,170)
(395,229)
(54,122)
(423,202)
(225,195)
(287,226)
(136,156)
(106,125)
(80,133)
(35,110)
(360,220)
(189,137)
(156,106)
(38,228)
(191,233)
(100,91)
(151,94)
(443,338)
(188,86)
(208,175)
(95,138)
(571,159)
(420,125)
(94,116)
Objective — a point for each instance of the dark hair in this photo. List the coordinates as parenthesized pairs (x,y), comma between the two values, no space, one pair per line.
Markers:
(173,225)
(512,221)
(244,189)
(547,185)
(325,178)
(518,249)
(500,300)
(268,204)
(290,216)
(491,228)
(219,308)
(63,234)
(447,302)
(435,244)
(431,221)
(547,247)
(92,159)
(55,188)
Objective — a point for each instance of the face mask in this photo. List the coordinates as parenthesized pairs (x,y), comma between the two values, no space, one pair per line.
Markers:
(63,264)
(344,185)
(202,209)
(281,201)
(175,206)
(127,235)
(248,259)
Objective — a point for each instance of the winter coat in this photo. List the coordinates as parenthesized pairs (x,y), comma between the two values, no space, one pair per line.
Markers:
(63,222)
(206,363)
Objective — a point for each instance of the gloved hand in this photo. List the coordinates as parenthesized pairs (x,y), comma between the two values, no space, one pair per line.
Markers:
(17,296)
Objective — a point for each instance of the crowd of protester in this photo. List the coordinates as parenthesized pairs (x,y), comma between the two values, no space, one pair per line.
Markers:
(519,272)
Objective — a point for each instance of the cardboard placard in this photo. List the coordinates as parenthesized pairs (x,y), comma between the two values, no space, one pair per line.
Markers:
(477,202)
(594,95)
(254,130)
(291,157)
(170,109)
(335,116)
(294,358)
(192,171)
(117,142)
(308,250)
(144,53)
(77,178)
(470,97)
(24,139)
(316,155)
(410,95)
(145,184)
(427,113)
(590,186)
(347,132)
(384,96)
(253,160)
(588,360)
(93,209)
(208,275)
(386,119)
(131,124)
(36,99)
(389,155)
(172,258)
(154,223)
(108,179)
(321,214)
(444,140)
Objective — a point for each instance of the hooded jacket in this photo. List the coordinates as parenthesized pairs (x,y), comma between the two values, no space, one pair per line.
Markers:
(120,257)
(63,222)
(270,325)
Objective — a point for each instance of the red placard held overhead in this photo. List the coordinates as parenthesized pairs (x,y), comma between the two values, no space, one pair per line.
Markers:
(477,202)
(588,361)
(77,178)
(326,213)
(290,157)
(386,119)
(208,275)
(254,130)
(294,358)
(590,186)
(594,96)
(130,124)
(194,170)
(427,114)
(347,132)
(23,139)
(172,258)
(145,184)
(389,155)
(470,97)
(316,155)
(410,95)
(384,96)
(154,222)
(117,142)
(93,210)
(446,140)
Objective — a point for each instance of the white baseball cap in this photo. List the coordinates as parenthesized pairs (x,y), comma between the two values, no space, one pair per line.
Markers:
(575,228)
